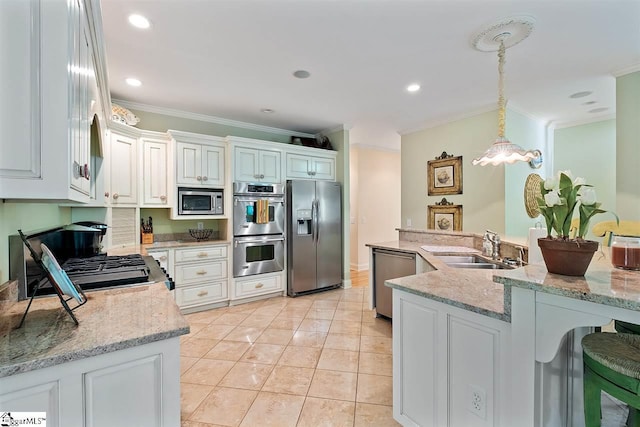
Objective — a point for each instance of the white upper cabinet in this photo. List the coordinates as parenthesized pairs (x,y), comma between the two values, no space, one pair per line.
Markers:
(301,166)
(47,83)
(257,165)
(155,172)
(200,160)
(124,171)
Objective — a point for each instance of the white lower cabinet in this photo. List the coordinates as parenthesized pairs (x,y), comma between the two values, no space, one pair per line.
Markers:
(137,386)
(163,257)
(253,286)
(450,366)
(201,276)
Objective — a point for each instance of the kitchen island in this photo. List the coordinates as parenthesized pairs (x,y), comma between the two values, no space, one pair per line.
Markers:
(497,347)
(119,366)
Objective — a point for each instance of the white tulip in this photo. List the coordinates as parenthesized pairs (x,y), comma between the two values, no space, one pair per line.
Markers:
(551,183)
(579,181)
(552,198)
(587,196)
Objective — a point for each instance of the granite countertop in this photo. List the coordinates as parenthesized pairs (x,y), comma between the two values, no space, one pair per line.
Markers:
(111,320)
(172,244)
(602,283)
(488,292)
(469,289)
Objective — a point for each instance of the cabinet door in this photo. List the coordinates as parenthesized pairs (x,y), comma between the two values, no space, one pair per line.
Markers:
(189,167)
(212,166)
(324,168)
(123,169)
(155,176)
(415,363)
(270,167)
(127,387)
(21,93)
(299,167)
(246,164)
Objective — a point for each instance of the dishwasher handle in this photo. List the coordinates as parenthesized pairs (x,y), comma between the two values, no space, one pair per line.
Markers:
(394,254)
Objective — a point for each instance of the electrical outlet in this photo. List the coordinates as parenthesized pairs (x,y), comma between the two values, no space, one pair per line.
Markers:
(200,226)
(408,222)
(477,401)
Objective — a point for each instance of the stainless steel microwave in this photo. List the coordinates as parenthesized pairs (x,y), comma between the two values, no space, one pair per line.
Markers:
(200,201)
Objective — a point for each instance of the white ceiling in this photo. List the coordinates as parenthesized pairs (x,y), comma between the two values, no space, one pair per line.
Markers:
(232,58)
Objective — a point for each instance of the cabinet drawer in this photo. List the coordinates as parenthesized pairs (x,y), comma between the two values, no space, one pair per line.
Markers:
(201,294)
(200,254)
(258,286)
(200,272)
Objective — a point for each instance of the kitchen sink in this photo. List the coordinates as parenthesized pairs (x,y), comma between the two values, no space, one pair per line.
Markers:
(473,261)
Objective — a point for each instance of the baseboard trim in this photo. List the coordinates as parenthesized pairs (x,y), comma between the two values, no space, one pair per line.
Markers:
(346,284)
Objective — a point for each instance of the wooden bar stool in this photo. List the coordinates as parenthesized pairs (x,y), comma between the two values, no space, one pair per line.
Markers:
(611,364)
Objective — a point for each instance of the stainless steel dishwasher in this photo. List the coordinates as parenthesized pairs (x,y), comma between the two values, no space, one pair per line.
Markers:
(388,264)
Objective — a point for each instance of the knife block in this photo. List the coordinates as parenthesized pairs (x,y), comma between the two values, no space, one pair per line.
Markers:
(146,238)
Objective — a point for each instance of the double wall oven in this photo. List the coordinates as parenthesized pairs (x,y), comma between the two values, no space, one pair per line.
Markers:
(258,228)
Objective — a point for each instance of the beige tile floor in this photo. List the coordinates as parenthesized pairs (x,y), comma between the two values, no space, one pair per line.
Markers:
(316,360)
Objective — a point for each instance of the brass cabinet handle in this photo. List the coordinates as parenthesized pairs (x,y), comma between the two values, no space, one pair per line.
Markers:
(106,194)
(115,196)
(201,272)
(259,285)
(203,293)
(205,178)
(203,254)
(163,198)
(163,258)
(199,178)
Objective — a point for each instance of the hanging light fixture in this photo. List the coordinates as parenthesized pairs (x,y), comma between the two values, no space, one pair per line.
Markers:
(500,36)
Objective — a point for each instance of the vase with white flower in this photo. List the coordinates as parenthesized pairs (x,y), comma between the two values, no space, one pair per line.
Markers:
(561,195)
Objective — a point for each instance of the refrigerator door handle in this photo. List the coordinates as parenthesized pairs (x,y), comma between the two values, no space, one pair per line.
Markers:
(314,220)
(317,221)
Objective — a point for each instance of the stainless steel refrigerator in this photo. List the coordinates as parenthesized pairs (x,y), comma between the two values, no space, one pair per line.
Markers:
(313,235)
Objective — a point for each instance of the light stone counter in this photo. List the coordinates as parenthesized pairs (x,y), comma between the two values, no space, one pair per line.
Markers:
(111,320)
(172,244)
(601,284)
(470,289)
(473,290)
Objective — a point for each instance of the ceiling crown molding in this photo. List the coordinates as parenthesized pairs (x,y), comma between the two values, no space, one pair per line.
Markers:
(208,119)
(626,70)
(562,125)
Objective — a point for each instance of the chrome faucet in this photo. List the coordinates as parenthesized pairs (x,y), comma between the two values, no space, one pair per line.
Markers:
(494,240)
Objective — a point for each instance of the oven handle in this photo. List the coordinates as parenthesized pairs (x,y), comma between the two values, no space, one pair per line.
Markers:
(253,199)
(244,240)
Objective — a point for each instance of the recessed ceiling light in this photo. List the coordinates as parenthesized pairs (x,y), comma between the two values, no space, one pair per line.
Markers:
(598,110)
(413,87)
(580,94)
(267,110)
(139,21)
(589,103)
(133,82)
(301,74)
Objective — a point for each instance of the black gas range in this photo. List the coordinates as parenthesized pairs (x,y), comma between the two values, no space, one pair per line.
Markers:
(106,271)
(90,272)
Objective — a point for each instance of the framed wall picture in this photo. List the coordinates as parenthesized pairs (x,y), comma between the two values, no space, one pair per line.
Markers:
(444,216)
(444,175)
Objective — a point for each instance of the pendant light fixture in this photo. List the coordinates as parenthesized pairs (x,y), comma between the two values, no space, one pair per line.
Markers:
(501,36)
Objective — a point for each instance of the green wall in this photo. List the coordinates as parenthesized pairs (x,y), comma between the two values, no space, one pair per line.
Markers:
(575,149)
(340,142)
(529,134)
(483,186)
(628,146)
(26,216)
